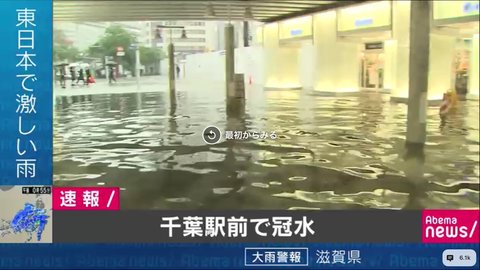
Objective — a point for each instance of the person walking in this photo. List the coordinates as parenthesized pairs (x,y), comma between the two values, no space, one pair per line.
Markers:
(178,72)
(62,77)
(111,77)
(73,75)
(81,76)
(88,74)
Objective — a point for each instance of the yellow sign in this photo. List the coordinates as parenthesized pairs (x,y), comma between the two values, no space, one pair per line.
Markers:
(295,28)
(454,9)
(371,15)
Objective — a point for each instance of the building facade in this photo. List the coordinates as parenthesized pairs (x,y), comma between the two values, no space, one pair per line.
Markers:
(201,36)
(82,35)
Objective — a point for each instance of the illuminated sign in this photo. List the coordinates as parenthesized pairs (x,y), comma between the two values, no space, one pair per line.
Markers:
(296,32)
(470,7)
(295,28)
(363,22)
(455,9)
(371,16)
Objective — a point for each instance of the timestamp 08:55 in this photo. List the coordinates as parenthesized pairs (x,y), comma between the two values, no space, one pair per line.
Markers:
(37,190)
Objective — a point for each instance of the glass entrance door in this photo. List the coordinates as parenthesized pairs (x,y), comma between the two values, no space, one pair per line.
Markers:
(461,66)
(372,70)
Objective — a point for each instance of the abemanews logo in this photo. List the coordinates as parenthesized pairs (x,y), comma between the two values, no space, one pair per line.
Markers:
(450,226)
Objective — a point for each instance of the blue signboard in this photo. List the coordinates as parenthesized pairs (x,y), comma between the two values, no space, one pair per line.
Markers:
(26,92)
(470,7)
(363,22)
(296,32)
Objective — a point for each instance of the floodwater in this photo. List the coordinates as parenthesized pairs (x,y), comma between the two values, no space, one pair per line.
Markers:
(330,153)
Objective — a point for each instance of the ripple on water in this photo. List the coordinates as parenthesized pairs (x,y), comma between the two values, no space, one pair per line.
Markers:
(304,208)
(294,157)
(267,164)
(361,172)
(358,154)
(334,144)
(354,138)
(89,124)
(134,126)
(379,198)
(463,199)
(121,131)
(73,177)
(178,200)
(260,185)
(297,178)
(127,167)
(275,183)
(221,191)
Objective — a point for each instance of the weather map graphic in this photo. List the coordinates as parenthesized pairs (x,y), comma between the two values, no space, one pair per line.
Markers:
(24,218)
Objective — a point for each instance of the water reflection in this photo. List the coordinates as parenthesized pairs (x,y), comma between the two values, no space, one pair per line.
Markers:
(331,153)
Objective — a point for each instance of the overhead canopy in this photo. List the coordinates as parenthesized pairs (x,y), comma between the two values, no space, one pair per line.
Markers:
(179,10)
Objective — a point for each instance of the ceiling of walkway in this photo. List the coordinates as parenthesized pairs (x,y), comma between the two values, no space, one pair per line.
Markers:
(161,10)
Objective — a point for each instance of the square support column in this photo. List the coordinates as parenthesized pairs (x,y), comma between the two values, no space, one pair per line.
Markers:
(171,67)
(229,59)
(418,72)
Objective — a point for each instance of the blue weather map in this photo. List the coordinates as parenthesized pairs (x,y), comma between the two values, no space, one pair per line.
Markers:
(26,219)
(31,219)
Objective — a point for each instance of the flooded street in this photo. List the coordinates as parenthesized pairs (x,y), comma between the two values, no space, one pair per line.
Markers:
(331,152)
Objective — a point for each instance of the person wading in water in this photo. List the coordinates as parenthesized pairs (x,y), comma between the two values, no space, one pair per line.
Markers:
(448,104)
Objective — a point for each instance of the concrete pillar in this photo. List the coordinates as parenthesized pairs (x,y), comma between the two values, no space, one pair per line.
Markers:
(137,65)
(246,34)
(418,72)
(171,67)
(442,49)
(473,88)
(337,63)
(229,59)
